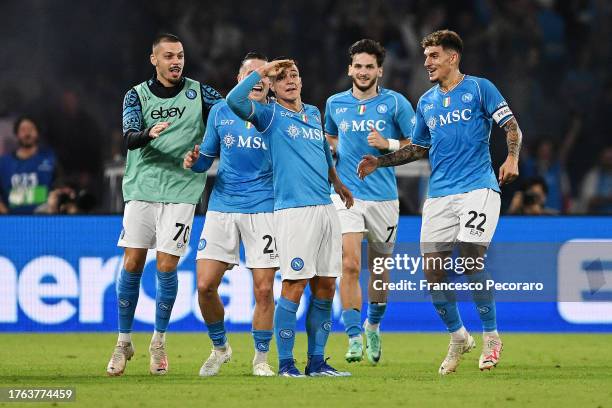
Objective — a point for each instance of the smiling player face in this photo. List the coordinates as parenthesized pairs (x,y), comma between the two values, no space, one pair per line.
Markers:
(439,62)
(169,60)
(364,71)
(288,85)
(260,90)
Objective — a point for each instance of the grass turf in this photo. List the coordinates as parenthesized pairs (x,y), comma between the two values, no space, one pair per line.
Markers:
(536,370)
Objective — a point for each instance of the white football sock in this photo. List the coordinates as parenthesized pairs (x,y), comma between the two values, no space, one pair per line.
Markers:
(459,335)
(125,337)
(159,337)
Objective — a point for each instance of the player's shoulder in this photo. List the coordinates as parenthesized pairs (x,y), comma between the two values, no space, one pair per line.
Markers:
(478,82)
(427,96)
(311,110)
(209,94)
(47,153)
(395,97)
(340,96)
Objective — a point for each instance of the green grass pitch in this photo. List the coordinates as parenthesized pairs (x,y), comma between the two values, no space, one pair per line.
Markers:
(543,370)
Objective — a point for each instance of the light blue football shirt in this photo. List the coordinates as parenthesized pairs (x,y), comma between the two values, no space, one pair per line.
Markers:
(350,120)
(298,149)
(456,127)
(244,177)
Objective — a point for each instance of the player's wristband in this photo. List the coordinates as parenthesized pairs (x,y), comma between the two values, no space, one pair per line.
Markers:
(394,145)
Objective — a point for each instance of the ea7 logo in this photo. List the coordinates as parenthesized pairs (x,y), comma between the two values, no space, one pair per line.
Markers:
(227,122)
(162,113)
(341,110)
(287,114)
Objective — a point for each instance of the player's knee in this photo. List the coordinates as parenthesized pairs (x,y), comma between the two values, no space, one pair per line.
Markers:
(166,265)
(350,268)
(206,288)
(133,265)
(264,293)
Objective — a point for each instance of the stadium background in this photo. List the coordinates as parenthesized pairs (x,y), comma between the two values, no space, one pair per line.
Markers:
(546,57)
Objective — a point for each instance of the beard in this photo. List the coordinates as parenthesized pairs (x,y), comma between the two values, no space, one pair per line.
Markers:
(175,81)
(26,142)
(367,87)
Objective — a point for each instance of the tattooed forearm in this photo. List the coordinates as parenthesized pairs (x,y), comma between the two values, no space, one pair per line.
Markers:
(514,137)
(406,154)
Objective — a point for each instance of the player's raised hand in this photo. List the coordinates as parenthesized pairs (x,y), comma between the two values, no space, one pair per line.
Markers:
(273,68)
(508,171)
(367,165)
(191,157)
(376,140)
(158,128)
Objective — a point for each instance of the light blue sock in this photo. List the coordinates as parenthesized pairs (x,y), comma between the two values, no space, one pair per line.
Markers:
(376,311)
(352,322)
(485,301)
(445,303)
(284,327)
(262,338)
(216,332)
(318,325)
(167,287)
(128,288)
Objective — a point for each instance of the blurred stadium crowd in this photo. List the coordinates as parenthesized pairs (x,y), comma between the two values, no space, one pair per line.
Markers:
(67,65)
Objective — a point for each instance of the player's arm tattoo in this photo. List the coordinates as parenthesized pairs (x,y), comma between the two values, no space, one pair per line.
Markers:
(514,137)
(406,154)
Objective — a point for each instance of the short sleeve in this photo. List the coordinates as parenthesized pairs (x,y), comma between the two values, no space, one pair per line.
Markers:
(330,125)
(494,104)
(420,134)
(404,116)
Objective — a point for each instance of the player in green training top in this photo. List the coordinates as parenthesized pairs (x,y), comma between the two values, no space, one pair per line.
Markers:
(162,119)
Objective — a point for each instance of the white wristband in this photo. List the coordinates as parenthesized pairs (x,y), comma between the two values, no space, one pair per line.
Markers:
(394,145)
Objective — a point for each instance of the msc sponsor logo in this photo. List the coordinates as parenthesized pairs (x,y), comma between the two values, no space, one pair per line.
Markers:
(365,125)
(251,142)
(307,133)
(344,126)
(455,116)
(431,123)
(229,140)
(292,131)
(162,113)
